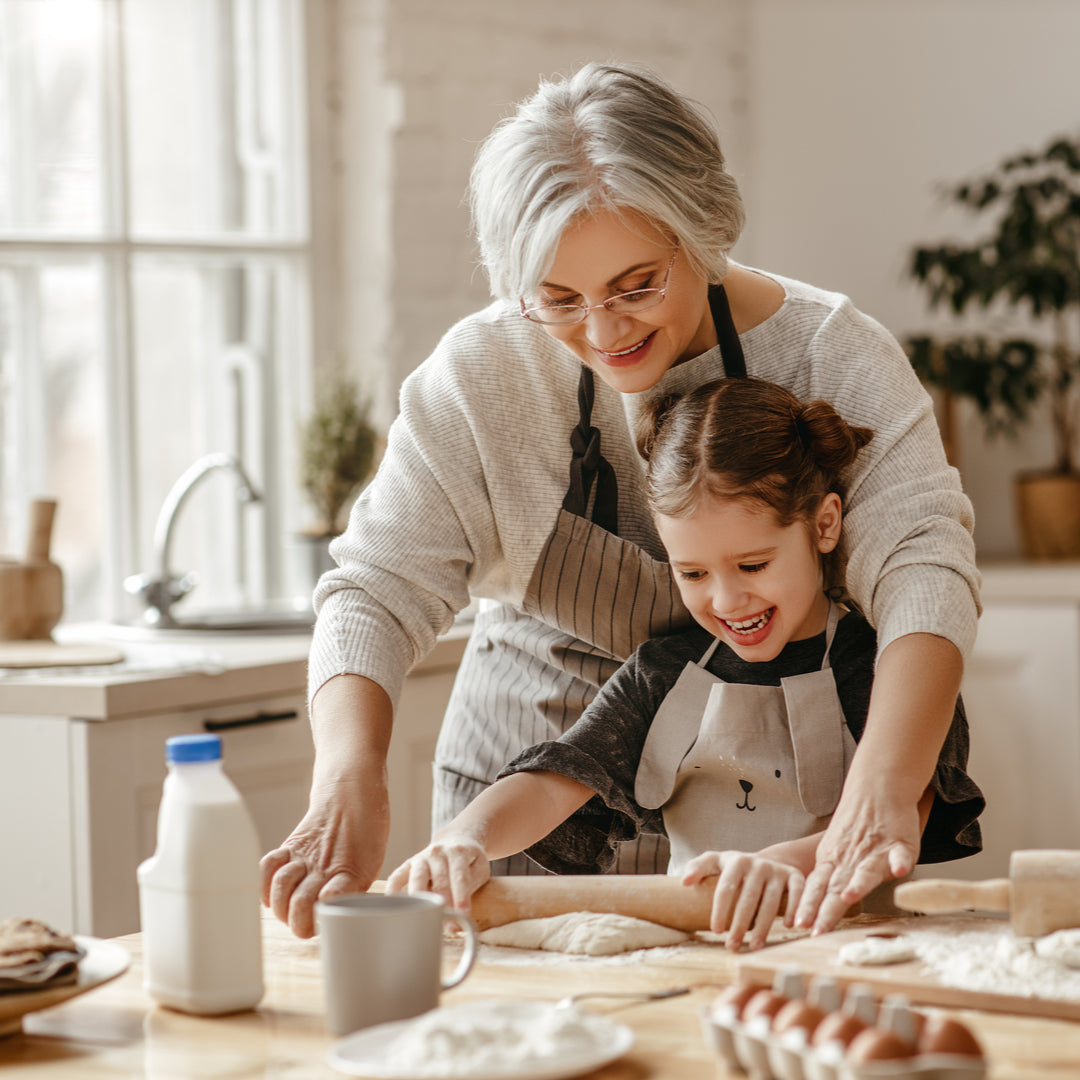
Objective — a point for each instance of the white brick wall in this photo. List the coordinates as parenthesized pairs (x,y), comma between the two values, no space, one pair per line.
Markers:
(456,67)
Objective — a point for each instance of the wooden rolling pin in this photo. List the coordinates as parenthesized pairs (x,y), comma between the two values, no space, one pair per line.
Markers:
(655,897)
(1041,893)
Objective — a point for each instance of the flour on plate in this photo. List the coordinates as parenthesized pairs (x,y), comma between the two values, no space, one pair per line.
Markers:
(481,1037)
(586,932)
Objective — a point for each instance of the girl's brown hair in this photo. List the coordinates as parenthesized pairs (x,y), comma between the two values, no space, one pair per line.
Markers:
(745,438)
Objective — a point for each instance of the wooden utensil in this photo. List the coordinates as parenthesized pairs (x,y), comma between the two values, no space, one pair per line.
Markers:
(655,897)
(1041,893)
(32,591)
(44,581)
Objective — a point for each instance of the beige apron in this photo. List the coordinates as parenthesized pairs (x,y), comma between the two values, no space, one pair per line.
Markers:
(738,766)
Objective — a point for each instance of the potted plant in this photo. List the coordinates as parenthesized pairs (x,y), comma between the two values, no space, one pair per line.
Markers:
(1027,264)
(338,452)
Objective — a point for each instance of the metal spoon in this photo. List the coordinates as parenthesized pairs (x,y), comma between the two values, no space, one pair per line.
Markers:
(571,1000)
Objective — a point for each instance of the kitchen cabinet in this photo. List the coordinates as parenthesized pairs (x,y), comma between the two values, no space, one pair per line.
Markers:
(82,761)
(1021,690)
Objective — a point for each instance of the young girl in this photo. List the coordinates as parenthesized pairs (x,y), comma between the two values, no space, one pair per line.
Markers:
(734,737)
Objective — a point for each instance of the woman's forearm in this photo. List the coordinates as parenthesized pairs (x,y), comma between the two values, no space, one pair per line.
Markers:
(912,704)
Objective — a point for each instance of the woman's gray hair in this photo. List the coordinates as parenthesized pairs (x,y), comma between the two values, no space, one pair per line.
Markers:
(606,138)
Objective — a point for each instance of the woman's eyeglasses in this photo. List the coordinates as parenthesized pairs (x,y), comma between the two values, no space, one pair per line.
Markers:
(556,313)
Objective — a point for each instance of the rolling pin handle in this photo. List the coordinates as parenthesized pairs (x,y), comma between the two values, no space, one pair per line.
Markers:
(937,896)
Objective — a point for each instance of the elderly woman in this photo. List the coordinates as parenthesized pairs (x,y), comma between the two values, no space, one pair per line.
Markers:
(605,218)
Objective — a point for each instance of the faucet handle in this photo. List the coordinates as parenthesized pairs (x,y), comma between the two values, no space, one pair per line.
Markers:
(160,593)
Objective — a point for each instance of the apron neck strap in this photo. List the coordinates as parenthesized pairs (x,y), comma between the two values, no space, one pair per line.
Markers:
(830,631)
(730,347)
(588,464)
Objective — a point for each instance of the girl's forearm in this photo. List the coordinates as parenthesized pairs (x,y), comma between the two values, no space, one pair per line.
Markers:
(516,812)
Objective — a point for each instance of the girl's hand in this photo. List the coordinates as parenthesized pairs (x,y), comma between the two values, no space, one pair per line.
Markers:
(453,867)
(750,892)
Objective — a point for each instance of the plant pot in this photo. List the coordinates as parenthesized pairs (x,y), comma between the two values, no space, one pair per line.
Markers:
(1048,511)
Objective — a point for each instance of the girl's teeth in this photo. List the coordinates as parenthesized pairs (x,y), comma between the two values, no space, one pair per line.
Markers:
(748,626)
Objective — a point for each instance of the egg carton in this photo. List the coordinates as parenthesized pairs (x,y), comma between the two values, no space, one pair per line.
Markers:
(754,1048)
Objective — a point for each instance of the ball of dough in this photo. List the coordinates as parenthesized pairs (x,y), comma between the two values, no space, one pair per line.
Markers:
(877,949)
(1062,946)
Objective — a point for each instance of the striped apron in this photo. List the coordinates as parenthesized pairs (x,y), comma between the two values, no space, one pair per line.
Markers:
(528,672)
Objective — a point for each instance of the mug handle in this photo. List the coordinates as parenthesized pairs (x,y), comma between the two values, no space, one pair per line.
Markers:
(472,943)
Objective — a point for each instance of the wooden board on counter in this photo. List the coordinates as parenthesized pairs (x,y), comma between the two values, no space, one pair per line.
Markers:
(818,956)
(37,654)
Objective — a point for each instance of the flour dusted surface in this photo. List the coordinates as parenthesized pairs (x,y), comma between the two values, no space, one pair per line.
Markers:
(995,962)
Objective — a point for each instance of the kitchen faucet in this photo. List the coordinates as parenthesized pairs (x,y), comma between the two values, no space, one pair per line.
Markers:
(161,590)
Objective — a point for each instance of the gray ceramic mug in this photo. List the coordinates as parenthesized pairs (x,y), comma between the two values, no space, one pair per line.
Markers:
(382,956)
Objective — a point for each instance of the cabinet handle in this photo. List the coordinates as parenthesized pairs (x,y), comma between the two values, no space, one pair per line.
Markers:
(250,721)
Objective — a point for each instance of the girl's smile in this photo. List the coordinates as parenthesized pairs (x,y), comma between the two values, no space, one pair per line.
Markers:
(747,579)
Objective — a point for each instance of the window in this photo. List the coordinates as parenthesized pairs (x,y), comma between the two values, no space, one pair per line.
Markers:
(154,300)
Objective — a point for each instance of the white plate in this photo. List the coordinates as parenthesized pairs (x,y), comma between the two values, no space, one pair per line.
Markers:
(365,1052)
(104,961)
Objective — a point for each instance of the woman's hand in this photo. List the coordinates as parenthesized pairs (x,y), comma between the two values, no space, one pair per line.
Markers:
(749,894)
(876,830)
(452,866)
(873,837)
(340,843)
(337,848)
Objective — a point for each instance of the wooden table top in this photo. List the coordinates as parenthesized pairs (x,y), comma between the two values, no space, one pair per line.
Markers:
(115,1031)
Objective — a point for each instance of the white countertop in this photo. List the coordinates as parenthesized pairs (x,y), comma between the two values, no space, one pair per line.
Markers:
(174,673)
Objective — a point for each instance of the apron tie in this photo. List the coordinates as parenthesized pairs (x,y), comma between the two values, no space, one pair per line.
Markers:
(589,464)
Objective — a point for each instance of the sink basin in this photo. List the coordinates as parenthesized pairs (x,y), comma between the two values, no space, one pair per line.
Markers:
(237,621)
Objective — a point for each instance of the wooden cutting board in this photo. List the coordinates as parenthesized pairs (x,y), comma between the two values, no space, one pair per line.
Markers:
(35,654)
(818,956)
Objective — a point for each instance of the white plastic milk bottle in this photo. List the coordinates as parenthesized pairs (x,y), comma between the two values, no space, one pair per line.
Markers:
(199,892)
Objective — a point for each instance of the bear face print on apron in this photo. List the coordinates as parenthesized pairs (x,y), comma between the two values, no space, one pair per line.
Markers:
(739,767)
(593,598)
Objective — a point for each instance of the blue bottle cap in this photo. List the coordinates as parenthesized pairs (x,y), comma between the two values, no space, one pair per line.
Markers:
(183,748)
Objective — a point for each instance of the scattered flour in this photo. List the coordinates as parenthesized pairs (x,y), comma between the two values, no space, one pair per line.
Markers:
(494,1038)
(995,962)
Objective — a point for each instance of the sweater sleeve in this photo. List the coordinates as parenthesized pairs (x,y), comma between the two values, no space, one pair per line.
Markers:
(416,535)
(908,526)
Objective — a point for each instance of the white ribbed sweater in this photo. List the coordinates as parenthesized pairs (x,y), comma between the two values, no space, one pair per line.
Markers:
(478,462)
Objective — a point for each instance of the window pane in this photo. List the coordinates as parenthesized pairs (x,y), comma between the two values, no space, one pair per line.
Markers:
(51,419)
(50,115)
(208,380)
(209,126)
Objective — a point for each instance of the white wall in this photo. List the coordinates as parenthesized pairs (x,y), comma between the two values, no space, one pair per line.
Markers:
(839,117)
(858,109)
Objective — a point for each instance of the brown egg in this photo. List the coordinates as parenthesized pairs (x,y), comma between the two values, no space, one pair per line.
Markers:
(874,1044)
(940,1035)
(736,996)
(797,1014)
(763,1003)
(839,1027)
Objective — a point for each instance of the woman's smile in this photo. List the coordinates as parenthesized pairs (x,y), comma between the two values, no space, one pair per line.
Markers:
(629,355)
(612,253)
